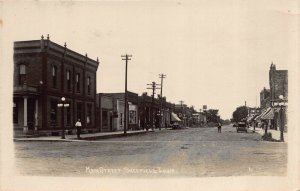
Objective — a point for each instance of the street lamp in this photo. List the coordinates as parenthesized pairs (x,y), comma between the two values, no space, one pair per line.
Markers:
(63,105)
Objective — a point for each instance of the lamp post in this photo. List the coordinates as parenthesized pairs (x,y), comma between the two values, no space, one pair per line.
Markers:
(63,105)
(281,119)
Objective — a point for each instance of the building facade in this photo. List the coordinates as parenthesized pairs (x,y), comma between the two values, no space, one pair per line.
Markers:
(278,81)
(111,112)
(44,72)
(106,107)
(274,101)
(148,111)
(265,98)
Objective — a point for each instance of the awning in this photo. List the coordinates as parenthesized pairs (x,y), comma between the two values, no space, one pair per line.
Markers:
(262,114)
(174,117)
(258,117)
(269,114)
(250,118)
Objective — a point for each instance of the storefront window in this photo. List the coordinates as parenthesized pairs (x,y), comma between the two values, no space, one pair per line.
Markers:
(89,114)
(121,119)
(15,113)
(132,117)
(53,113)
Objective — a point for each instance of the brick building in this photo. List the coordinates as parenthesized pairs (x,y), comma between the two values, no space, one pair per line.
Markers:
(278,80)
(44,72)
(274,108)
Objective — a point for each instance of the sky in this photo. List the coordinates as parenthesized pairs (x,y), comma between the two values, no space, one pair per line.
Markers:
(215,53)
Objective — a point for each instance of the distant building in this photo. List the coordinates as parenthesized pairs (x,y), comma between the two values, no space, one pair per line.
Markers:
(106,105)
(146,115)
(44,72)
(265,98)
(270,100)
(133,101)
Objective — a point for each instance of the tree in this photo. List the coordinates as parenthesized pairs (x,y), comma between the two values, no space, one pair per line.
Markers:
(212,115)
(240,113)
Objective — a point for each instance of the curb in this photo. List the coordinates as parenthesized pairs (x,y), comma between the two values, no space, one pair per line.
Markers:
(92,138)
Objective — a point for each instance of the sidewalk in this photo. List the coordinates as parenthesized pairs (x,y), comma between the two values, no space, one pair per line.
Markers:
(84,137)
(275,133)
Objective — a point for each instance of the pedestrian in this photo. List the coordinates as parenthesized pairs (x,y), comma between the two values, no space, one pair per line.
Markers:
(78,128)
(219,127)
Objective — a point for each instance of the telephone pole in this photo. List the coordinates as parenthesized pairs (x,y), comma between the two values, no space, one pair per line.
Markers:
(153,87)
(181,104)
(125,57)
(161,76)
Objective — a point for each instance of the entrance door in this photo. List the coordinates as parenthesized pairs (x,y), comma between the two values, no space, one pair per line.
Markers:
(30,114)
(111,122)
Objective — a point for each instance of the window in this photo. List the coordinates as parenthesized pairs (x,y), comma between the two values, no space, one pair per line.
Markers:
(22,74)
(15,113)
(89,114)
(54,76)
(78,82)
(69,80)
(89,85)
(132,117)
(53,113)
(121,119)
(79,111)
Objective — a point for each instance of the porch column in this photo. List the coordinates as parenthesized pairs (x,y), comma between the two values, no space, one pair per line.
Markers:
(25,127)
(36,115)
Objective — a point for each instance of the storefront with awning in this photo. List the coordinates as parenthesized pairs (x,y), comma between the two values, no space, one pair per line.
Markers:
(260,117)
(175,118)
(269,115)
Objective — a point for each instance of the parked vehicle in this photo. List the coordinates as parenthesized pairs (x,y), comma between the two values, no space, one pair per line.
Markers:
(175,125)
(241,126)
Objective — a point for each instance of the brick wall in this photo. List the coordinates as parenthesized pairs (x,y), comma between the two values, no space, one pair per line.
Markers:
(278,81)
(33,69)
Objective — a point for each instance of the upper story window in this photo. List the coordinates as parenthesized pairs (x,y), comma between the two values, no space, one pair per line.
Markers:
(78,82)
(22,69)
(89,85)
(69,80)
(54,76)
(22,74)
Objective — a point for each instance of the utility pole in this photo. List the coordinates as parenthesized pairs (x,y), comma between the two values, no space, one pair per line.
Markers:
(161,76)
(153,87)
(125,57)
(181,104)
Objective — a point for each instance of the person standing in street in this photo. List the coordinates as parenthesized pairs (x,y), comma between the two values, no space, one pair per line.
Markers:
(219,127)
(78,128)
